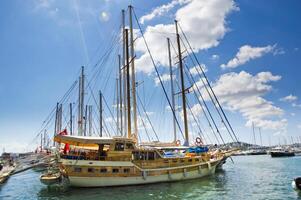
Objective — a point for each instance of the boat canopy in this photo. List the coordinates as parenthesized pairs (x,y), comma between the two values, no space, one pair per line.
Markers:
(88,141)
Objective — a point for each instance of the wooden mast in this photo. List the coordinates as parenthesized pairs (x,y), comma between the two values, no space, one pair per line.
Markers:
(117,106)
(90,120)
(60,118)
(124,74)
(129,129)
(133,73)
(86,117)
(172,90)
(70,110)
(120,96)
(81,102)
(56,118)
(182,86)
(100,114)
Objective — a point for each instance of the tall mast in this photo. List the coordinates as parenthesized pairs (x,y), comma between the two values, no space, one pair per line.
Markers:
(56,120)
(124,73)
(60,118)
(81,102)
(90,120)
(172,90)
(182,87)
(86,117)
(129,129)
(71,124)
(41,141)
(44,138)
(100,114)
(117,104)
(260,136)
(120,96)
(133,72)
(254,137)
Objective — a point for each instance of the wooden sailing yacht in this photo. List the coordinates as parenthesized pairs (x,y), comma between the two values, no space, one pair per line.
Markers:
(114,161)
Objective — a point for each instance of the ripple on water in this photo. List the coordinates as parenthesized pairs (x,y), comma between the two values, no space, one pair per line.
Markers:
(250,177)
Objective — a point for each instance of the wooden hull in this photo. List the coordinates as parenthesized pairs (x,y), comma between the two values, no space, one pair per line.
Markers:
(137,175)
(138,180)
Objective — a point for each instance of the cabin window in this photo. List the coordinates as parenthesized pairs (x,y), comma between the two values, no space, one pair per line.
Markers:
(77,169)
(91,170)
(197,160)
(174,160)
(103,170)
(129,146)
(165,161)
(119,146)
(182,161)
(126,170)
(190,160)
(151,156)
(115,170)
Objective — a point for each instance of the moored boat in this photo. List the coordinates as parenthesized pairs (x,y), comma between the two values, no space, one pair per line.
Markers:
(296,184)
(126,159)
(50,178)
(281,152)
(117,161)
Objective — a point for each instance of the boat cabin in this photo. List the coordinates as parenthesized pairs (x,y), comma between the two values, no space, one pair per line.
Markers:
(96,148)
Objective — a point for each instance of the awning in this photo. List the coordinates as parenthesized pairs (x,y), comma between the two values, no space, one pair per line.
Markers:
(88,141)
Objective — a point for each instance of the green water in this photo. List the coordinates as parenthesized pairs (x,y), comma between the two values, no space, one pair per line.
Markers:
(250,177)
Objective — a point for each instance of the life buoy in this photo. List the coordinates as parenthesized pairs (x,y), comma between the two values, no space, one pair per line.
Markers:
(178,142)
(198,141)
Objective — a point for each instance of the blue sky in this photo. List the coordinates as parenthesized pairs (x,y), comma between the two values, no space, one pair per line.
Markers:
(44,43)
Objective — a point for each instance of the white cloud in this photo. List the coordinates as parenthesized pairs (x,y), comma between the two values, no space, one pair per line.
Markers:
(198,85)
(244,93)
(161,10)
(205,15)
(196,110)
(196,69)
(247,53)
(214,57)
(278,51)
(164,78)
(296,105)
(299,126)
(289,98)
(104,16)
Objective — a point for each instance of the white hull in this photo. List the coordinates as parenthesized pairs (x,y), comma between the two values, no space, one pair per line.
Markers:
(122,181)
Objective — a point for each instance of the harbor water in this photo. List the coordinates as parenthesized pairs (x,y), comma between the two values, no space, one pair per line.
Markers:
(250,177)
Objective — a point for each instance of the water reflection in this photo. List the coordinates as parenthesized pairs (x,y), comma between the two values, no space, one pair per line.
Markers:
(252,177)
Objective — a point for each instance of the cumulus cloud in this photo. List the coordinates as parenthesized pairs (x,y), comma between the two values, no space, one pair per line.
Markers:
(161,10)
(206,15)
(289,98)
(164,78)
(244,93)
(196,69)
(247,53)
